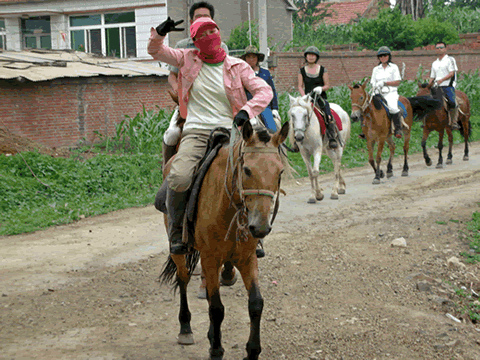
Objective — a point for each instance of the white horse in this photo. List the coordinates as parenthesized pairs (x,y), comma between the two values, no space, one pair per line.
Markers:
(305,130)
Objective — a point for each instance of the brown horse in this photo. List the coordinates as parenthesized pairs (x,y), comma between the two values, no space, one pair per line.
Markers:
(234,210)
(438,120)
(378,129)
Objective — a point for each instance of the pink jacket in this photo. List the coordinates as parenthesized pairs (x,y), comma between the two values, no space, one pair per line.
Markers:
(237,76)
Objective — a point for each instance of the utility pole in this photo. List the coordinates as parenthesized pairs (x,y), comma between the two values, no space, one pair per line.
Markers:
(262,29)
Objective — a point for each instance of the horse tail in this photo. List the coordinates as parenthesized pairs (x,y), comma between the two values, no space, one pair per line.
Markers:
(422,105)
(169,271)
(461,129)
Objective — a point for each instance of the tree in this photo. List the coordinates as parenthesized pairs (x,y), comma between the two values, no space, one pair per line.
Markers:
(411,7)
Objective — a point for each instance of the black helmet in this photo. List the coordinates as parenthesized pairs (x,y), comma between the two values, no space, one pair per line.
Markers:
(312,50)
(384,50)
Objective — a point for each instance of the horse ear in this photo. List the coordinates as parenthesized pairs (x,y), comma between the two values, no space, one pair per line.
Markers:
(292,99)
(350,87)
(281,135)
(306,98)
(419,83)
(364,85)
(247,131)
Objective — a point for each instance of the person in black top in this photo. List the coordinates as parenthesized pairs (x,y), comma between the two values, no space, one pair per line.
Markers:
(313,80)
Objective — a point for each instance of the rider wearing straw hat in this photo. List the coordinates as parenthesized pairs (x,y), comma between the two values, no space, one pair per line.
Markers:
(253,58)
(211,94)
(385,80)
(313,79)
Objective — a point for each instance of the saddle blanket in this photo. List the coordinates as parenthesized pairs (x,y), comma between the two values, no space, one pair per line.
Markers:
(322,121)
(403,110)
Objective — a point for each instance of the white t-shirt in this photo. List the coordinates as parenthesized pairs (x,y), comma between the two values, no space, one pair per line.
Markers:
(208,106)
(441,68)
(390,73)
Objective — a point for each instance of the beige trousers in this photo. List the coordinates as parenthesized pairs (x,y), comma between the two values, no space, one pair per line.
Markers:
(190,152)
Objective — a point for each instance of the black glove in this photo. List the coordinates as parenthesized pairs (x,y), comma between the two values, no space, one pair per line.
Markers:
(241,118)
(167,26)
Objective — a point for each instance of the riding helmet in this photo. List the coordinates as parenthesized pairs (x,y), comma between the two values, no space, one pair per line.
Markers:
(312,50)
(384,50)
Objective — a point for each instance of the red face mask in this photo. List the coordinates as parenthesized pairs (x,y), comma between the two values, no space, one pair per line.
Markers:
(210,47)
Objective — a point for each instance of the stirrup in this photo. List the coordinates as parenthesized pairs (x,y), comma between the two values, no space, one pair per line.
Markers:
(332,143)
(455,126)
(398,133)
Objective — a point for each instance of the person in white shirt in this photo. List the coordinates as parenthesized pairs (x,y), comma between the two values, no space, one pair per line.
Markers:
(385,81)
(444,75)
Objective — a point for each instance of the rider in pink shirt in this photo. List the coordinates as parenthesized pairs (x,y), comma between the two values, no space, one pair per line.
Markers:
(211,89)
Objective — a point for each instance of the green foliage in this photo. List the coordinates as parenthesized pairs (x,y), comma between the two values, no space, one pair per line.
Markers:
(141,134)
(240,38)
(463,19)
(305,34)
(96,186)
(431,30)
(469,83)
(390,28)
(474,237)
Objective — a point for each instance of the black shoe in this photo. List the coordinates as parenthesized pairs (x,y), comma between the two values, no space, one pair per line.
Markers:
(260,253)
(362,136)
(332,144)
(455,126)
(176,204)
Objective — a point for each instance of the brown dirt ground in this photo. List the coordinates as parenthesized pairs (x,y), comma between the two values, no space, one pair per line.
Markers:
(333,286)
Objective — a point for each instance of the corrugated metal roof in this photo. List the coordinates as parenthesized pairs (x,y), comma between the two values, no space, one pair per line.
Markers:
(43,65)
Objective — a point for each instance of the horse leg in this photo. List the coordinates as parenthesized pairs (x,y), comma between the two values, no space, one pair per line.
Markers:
(249,272)
(317,158)
(370,145)
(466,131)
(450,146)
(313,179)
(216,310)
(428,161)
(391,146)
(185,337)
(336,170)
(379,173)
(406,148)
(440,148)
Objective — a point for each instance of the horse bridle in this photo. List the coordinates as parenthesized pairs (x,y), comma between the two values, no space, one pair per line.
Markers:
(241,214)
(365,104)
(307,123)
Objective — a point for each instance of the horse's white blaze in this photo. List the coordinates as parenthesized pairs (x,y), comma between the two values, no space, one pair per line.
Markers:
(305,126)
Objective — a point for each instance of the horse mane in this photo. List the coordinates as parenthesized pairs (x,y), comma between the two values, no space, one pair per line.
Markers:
(356,86)
(424,85)
(377,101)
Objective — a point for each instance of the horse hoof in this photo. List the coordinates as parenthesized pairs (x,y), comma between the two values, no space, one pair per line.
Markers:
(341,191)
(185,339)
(229,282)
(449,162)
(389,175)
(382,174)
(428,162)
(439,166)
(311,201)
(202,293)
(376,181)
(404,173)
(334,196)
(319,197)
(465,158)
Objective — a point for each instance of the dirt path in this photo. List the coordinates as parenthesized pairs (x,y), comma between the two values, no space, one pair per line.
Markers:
(333,286)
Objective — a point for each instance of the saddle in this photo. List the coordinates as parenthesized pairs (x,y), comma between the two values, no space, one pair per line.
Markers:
(218,138)
(379,100)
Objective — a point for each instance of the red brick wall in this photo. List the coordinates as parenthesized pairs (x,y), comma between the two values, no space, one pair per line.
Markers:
(349,66)
(62,112)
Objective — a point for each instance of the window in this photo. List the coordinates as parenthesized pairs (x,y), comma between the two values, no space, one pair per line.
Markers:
(3,43)
(36,33)
(108,34)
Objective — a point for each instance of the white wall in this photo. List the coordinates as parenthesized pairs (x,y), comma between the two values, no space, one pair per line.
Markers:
(145,19)
(59,25)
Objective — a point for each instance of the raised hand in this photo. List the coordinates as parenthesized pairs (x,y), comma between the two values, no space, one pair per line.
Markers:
(168,25)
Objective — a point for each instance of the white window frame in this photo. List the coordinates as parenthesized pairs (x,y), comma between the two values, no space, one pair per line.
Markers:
(102,26)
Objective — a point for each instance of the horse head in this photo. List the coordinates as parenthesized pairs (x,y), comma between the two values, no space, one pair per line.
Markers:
(300,113)
(259,171)
(359,98)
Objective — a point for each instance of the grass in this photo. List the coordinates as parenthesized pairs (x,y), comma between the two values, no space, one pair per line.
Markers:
(473,236)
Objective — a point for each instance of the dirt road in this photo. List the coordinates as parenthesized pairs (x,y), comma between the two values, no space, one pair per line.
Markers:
(333,285)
